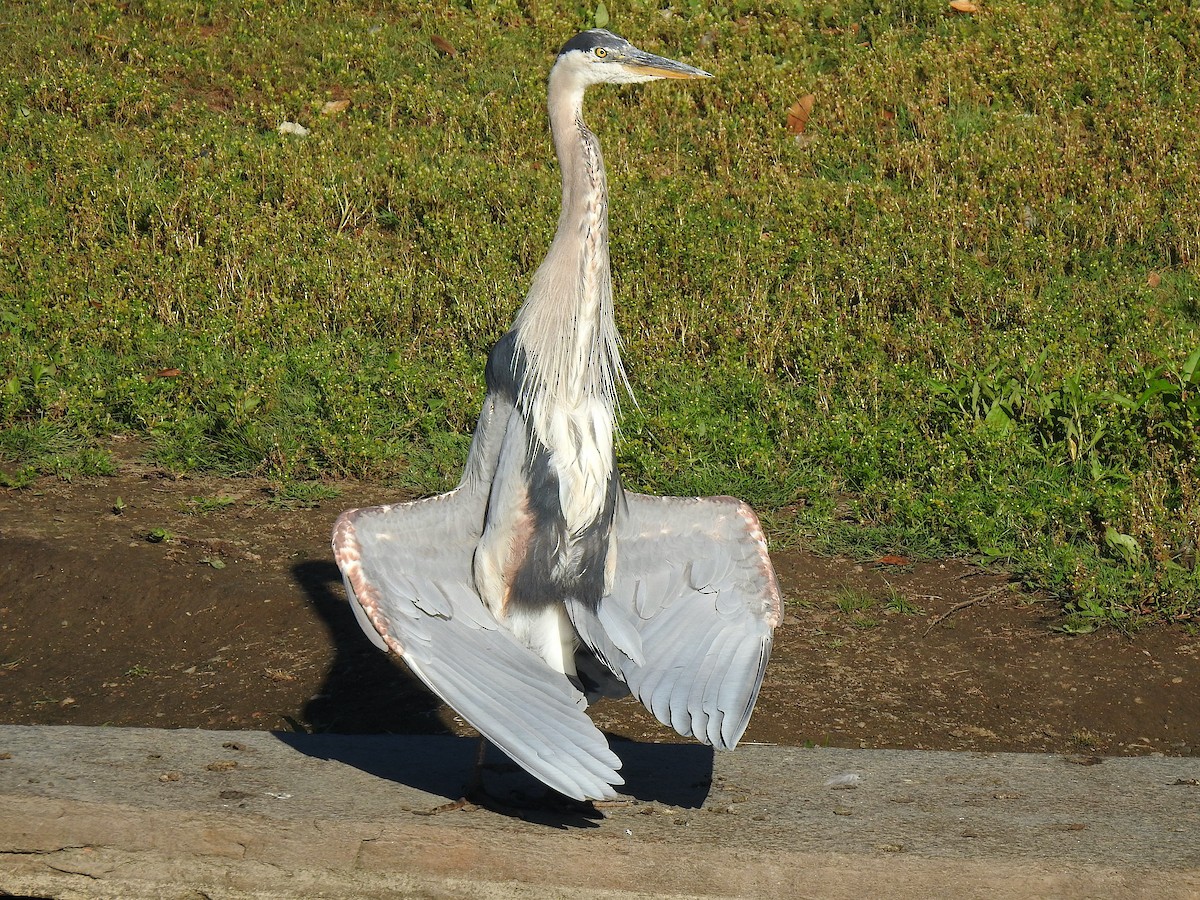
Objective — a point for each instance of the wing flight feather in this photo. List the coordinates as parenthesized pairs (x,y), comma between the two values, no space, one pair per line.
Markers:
(407,569)
(694,580)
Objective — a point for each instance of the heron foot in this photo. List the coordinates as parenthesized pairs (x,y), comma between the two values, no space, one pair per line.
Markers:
(462,803)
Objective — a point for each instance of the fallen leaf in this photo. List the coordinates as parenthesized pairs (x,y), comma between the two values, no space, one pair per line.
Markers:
(797,117)
(168,373)
(893,560)
(1154,279)
(333,107)
(444,46)
(963,6)
(293,128)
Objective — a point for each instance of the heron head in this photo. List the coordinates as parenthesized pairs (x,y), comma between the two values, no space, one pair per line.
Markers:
(601,57)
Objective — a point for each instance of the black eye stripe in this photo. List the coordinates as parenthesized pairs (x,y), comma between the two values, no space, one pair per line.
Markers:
(588,41)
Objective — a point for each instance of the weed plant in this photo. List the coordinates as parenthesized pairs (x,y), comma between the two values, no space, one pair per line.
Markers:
(958,314)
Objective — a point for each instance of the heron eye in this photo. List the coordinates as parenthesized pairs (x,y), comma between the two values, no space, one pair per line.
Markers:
(601,52)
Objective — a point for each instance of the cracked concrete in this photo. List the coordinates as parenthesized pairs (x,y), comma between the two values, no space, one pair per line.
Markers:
(133,813)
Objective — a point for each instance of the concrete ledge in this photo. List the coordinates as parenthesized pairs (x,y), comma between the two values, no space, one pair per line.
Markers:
(133,813)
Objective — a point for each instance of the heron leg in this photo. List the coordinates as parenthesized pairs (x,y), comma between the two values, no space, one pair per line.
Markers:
(471,791)
(475,782)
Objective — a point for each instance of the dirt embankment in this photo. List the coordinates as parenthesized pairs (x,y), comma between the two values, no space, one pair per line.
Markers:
(236,619)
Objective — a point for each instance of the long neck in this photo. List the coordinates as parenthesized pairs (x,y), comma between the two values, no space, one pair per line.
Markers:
(566,324)
(584,186)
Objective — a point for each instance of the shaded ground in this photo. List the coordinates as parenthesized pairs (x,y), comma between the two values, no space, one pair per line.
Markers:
(237,620)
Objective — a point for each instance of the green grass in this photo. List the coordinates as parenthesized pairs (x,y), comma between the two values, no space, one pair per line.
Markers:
(960,317)
(899,604)
(301,494)
(33,449)
(203,505)
(856,605)
(852,600)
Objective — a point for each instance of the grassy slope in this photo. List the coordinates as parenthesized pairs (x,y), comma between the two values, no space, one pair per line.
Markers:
(958,316)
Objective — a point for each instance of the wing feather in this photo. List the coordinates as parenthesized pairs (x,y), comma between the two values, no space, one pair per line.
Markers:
(737,694)
(694,580)
(718,659)
(407,569)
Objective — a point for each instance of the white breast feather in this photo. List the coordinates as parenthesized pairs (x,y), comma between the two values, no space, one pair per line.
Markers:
(581,445)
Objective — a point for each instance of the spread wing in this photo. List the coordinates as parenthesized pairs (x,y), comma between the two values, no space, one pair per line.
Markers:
(407,569)
(689,622)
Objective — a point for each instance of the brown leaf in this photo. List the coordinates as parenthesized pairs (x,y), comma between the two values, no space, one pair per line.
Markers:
(444,46)
(963,6)
(797,117)
(893,560)
(168,373)
(1154,279)
(333,107)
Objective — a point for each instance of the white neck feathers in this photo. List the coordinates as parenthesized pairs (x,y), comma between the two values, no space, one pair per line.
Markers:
(566,325)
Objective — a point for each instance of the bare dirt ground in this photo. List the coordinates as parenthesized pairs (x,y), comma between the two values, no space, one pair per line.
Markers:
(237,620)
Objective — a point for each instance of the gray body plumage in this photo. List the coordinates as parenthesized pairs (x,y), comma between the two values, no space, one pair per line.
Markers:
(538,577)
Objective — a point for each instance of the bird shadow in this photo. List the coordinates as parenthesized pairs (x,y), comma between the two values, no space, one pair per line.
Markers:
(373,715)
(364,691)
(676,775)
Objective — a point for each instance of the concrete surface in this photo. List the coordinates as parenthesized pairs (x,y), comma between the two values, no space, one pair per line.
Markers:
(139,813)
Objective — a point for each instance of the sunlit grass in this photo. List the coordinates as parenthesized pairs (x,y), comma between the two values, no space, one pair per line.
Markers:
(960,315)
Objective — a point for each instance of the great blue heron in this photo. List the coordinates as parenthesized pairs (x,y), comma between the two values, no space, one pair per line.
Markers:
(538,579)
